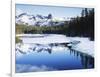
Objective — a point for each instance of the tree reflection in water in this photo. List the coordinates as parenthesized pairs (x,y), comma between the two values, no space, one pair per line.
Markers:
(86,60)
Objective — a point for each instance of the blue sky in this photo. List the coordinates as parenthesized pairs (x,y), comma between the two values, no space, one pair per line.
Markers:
(45,10)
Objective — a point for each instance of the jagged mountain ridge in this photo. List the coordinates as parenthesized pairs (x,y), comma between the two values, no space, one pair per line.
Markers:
(38,20)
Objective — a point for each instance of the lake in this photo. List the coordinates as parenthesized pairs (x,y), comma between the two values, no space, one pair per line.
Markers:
(35,57)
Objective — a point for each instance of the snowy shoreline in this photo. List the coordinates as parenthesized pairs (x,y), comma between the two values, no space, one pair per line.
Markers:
(85,46)
(43,38)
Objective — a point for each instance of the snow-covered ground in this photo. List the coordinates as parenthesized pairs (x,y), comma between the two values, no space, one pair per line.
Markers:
(85,45)
(43,38)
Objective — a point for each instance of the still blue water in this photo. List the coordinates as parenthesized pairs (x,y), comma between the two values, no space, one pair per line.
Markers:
(66,59)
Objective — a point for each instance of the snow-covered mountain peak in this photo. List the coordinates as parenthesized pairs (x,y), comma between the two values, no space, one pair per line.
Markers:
(39,20)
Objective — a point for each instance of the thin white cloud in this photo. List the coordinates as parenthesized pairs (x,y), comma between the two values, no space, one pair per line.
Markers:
(18,12)
(21,68)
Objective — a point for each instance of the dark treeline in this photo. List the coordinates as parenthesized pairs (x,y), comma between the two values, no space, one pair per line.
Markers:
(41,30)
(82,26)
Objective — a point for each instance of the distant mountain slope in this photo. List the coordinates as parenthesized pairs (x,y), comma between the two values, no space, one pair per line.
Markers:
(39,20)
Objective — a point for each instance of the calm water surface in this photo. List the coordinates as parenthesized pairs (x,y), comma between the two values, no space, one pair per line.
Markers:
(50,58)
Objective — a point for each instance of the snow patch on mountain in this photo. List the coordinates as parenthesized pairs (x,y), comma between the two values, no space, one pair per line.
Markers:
(38,20)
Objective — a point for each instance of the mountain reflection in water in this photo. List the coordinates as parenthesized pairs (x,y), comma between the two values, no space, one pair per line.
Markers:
(70,58)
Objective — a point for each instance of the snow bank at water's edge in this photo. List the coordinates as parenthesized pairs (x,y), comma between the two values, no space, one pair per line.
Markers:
(85,45)
(43,38)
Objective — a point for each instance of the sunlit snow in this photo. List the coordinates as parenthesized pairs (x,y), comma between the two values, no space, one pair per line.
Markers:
(29,41)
